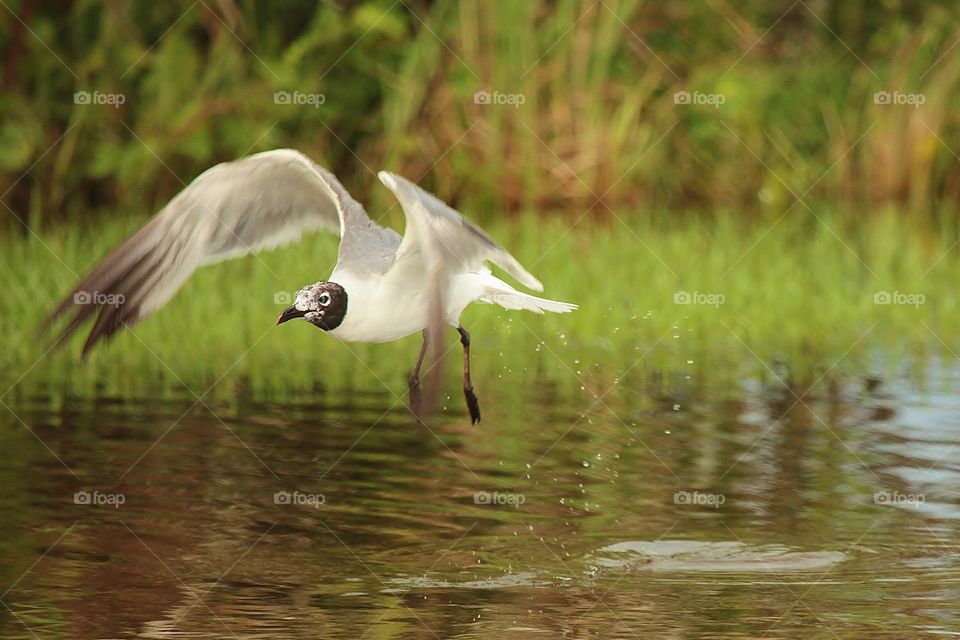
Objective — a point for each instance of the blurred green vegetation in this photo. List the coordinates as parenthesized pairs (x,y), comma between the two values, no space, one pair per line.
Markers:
(757,304)
(784,185)
(598,126)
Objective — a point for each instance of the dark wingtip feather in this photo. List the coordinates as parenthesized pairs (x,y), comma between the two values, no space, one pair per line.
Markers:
(68,305)
(110,320)
(120,273)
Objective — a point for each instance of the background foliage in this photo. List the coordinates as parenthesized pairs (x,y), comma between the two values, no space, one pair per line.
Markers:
(598,128)
(798,198)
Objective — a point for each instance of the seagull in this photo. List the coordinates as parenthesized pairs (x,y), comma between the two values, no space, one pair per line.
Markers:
(383,287)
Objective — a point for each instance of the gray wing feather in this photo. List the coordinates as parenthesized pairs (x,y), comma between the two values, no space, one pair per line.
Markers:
(232,209)
(441,234)
(439,243)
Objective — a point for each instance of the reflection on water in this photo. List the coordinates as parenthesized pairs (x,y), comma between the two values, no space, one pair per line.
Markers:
(713,557)
(688,511)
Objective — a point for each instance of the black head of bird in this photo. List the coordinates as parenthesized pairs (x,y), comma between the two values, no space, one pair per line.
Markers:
(323,304)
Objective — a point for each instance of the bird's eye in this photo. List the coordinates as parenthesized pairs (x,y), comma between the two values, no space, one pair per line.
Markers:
(324,299)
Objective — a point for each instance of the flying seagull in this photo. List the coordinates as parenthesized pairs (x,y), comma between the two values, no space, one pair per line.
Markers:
(384,286)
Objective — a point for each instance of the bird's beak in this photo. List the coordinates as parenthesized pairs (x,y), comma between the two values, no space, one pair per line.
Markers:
(289,314)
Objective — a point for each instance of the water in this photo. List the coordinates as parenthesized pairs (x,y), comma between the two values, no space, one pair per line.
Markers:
(680,510)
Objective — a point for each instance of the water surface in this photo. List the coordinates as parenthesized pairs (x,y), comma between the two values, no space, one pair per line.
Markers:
(675,509)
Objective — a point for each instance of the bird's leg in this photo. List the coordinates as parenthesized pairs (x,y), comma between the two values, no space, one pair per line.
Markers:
(473,406)
(413,382)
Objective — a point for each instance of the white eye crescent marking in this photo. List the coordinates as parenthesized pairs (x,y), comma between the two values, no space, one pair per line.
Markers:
(324,299)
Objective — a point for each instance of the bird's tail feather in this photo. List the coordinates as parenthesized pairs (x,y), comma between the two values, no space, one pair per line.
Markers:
(499,292)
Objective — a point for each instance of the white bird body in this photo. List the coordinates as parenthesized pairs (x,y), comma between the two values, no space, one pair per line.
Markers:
(409,306)
(384,286)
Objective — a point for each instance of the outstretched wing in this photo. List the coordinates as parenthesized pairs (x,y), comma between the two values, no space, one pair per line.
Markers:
(439,243)
(441,235)
(235,208)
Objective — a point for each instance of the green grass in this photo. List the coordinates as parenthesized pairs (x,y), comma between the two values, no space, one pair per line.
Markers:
(797,294)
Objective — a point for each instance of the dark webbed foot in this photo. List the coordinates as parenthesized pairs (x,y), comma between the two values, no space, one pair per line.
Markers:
(473,405)
(413,386)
